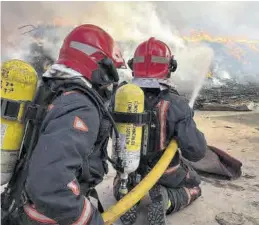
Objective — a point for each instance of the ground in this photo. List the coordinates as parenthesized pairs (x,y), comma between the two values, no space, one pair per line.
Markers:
(222,202)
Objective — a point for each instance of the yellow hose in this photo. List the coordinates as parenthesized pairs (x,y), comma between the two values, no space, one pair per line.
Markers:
(136,194)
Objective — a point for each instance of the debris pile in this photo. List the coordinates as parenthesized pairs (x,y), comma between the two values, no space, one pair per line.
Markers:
(230,97)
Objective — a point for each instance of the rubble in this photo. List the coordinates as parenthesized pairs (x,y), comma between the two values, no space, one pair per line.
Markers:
(230,97)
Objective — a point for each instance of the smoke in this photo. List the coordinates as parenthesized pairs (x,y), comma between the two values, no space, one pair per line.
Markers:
(130,23)
(237,19)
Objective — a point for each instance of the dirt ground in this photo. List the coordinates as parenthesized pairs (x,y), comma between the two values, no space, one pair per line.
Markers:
(222,202)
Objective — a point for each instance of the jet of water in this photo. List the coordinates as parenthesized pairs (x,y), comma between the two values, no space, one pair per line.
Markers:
(201,69)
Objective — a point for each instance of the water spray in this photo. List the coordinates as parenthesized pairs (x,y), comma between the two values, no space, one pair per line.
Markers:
(201,70)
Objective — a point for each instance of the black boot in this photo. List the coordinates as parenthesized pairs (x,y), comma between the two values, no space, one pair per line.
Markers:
(130,216)
(160,203)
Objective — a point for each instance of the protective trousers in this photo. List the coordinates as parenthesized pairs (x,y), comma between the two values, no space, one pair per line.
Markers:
(179,189)
(186,191)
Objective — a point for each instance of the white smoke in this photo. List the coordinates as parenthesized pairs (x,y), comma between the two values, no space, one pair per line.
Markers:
(129,23)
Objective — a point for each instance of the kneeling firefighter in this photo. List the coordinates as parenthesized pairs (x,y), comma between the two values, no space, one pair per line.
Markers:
(64,147)
(151,116)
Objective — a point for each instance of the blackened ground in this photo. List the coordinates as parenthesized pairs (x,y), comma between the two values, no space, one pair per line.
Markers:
(230,97)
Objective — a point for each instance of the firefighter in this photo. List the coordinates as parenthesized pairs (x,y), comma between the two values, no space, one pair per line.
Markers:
(70,156)
(172,118)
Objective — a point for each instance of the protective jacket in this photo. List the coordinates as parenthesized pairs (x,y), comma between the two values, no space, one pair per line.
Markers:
(67,162)
(68,159)
(172,119)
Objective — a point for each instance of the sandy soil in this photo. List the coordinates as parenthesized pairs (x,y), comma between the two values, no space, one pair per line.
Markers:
(222,202)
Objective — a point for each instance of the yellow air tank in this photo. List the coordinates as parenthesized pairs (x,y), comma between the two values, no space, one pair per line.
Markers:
(18,86)
(129,98)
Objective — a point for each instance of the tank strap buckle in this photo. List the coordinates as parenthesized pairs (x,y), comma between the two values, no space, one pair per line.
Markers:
(93,193)
(10,109)
(135,118)
(34,112)
(24,198)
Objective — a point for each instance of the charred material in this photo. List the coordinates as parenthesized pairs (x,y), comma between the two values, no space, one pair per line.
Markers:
(229,97)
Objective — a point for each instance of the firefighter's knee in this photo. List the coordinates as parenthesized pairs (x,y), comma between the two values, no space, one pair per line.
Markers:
(192,179)
(181,197)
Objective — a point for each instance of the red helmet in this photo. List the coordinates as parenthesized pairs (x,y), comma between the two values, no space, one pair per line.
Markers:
(85,46)
(152,59)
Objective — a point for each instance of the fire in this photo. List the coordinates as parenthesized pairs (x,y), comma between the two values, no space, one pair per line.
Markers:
(202,36)
(229,42)
(254,47)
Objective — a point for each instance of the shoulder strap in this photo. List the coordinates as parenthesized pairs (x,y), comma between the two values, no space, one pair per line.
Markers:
(69,85)
(95,97)
(153,106)
(173,91)
(93,193)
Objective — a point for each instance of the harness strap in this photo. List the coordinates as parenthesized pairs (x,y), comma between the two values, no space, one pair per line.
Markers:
(93,193)
(135,118)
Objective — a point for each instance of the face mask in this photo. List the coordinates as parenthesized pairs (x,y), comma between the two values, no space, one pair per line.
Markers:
(104,77)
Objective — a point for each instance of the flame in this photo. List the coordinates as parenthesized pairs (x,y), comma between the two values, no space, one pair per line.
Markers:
(237,52)
(254,47)
(229,42)
(196,36)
